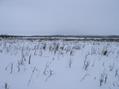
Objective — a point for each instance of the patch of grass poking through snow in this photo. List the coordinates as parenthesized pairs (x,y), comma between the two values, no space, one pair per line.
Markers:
(42,55)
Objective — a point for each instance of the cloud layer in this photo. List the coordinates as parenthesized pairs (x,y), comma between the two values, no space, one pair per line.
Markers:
(77,17)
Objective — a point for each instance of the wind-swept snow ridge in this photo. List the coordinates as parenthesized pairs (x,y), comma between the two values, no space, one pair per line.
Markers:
(59,62)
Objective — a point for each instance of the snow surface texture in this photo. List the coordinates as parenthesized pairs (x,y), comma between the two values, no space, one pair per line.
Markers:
(58,64)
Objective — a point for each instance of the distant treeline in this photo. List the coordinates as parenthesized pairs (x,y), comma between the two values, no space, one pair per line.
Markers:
(7,36)
(64,37)
(77,36)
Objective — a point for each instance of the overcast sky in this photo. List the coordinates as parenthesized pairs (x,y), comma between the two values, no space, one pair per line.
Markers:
(44,17)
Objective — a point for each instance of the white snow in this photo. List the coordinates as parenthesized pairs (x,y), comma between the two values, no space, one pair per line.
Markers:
(58,64)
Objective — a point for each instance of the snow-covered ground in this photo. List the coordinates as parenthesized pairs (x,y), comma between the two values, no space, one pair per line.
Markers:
(58,64)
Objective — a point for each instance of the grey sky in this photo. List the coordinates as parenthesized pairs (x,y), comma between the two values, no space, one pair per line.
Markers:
(41,17)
